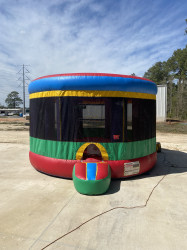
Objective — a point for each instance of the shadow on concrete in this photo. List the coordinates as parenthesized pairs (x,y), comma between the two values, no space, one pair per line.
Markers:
(114,186)
(168,162)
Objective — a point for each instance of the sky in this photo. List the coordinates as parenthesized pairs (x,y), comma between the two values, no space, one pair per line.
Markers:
(72,36)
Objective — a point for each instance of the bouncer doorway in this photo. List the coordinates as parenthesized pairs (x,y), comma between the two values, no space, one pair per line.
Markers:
(92,151)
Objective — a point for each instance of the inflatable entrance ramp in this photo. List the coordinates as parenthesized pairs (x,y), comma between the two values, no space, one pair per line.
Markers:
(91,177)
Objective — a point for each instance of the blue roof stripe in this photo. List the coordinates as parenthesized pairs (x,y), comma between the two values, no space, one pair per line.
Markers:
(100,83)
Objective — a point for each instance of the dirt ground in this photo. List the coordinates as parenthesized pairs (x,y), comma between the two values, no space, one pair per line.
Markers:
(173,141)
(146,212)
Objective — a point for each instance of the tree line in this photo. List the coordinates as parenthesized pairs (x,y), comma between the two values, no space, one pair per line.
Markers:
(13,100)
(173,73)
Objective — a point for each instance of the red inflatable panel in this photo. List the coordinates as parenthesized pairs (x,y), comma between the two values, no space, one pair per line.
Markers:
(64,168)
(146,163)
(102,171)
(80,170)
(51,166)
(91,160)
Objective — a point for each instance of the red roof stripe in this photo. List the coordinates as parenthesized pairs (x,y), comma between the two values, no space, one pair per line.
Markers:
(93,74)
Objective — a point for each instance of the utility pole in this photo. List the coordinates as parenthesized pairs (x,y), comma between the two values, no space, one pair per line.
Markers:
(23,89)
(24,71)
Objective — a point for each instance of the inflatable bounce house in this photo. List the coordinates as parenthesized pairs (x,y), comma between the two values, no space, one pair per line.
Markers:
(92,127)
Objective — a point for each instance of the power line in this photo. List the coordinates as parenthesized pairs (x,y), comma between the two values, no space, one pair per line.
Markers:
(2,99)
(3,92)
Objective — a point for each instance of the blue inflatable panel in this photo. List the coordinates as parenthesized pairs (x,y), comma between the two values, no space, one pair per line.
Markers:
(91,170)
(97,82)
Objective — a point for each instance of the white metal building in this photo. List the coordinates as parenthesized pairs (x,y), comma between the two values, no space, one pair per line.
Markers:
(161,103)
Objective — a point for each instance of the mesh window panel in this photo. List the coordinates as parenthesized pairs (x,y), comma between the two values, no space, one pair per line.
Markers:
(92,119)
(50,119)
(143,119)
(43,118)
(37,121)
(84,119)
(117,120)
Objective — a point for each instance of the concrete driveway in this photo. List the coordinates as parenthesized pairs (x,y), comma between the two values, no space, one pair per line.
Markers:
(146,212)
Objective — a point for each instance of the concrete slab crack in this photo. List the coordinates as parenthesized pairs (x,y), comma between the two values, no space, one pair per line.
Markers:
(107,211)
(52,221)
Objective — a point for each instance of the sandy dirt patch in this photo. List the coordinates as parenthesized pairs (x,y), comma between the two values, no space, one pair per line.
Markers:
(170,141)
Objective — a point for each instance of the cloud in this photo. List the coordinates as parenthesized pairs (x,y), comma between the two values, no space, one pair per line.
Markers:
(86,36)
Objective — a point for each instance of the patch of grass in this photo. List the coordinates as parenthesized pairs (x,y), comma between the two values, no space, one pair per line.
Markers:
(169,127)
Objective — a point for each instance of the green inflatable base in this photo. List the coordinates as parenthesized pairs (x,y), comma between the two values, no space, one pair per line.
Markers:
(92,187)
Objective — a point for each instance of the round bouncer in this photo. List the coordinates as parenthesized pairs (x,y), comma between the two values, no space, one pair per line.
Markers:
(92,127)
